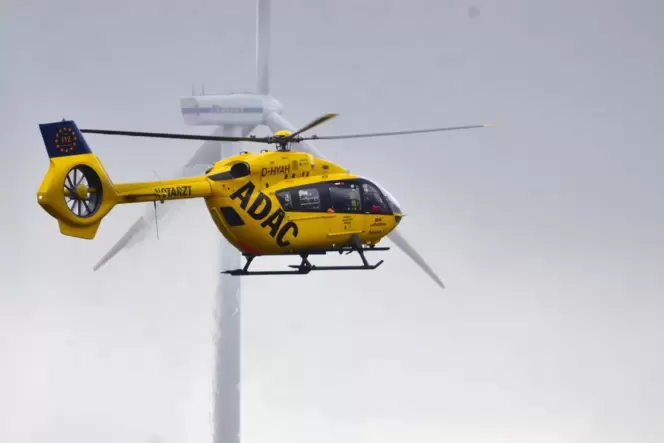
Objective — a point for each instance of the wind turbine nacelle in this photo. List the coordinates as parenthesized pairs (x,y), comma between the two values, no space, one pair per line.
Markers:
(230,109)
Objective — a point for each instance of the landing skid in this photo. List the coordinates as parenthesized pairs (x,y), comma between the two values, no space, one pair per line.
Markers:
(305,266)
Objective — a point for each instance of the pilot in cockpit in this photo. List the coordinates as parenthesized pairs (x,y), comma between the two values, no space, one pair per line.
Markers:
(372,201)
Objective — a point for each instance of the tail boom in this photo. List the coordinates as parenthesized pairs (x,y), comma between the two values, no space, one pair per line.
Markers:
(175,189)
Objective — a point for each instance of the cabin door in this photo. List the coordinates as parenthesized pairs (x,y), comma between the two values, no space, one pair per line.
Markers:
(346,206)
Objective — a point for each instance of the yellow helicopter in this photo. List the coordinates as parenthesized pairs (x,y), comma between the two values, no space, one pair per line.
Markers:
(279,202)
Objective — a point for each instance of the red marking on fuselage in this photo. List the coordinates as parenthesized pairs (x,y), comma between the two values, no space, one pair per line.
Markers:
(246,249)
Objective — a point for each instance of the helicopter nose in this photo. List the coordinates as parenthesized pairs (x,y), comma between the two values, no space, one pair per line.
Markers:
(396,207)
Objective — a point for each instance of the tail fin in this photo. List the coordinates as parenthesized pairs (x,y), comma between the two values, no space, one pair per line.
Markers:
(76,189)
(63,139)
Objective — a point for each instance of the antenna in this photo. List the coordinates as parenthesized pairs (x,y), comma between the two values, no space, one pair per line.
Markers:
(156,222)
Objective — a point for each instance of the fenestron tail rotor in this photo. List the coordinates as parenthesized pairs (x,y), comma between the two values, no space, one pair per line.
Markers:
(283,140)
(83,191)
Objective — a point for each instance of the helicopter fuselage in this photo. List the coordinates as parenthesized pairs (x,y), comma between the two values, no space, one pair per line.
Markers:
(279,202)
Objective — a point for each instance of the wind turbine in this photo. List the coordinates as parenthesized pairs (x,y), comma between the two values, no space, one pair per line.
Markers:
(233,115)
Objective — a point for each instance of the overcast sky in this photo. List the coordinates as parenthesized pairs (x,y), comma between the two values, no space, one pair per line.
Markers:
(547,229)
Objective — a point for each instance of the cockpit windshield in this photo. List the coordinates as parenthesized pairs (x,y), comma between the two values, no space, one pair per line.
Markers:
(391,201)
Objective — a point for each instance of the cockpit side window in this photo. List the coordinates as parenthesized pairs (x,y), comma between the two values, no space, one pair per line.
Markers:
(345,197)
(285,199)
(309,199)
(373,201)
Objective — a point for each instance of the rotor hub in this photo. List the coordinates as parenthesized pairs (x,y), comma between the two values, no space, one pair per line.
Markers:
(82,191)
(283,139)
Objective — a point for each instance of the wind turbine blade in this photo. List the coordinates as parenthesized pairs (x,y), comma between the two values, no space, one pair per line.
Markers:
(208,154)
(139,226)
(205,156)
(398,239)
(263,46)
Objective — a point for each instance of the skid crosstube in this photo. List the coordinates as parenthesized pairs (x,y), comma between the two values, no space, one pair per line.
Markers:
(305,266)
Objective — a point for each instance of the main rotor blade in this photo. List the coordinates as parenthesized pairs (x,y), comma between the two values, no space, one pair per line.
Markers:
(179,136)
(396,238)
(314,123)
(382,134)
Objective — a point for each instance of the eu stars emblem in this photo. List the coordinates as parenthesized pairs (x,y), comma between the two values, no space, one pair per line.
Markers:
(65,140)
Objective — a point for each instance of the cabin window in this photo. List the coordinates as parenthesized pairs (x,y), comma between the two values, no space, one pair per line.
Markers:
(309,199)
(345,197)
(373,201)
(285,200)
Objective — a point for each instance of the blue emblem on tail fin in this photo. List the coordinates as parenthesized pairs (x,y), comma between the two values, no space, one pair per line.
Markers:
(63,139)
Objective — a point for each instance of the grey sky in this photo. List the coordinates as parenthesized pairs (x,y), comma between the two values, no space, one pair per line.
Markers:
(547,229)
